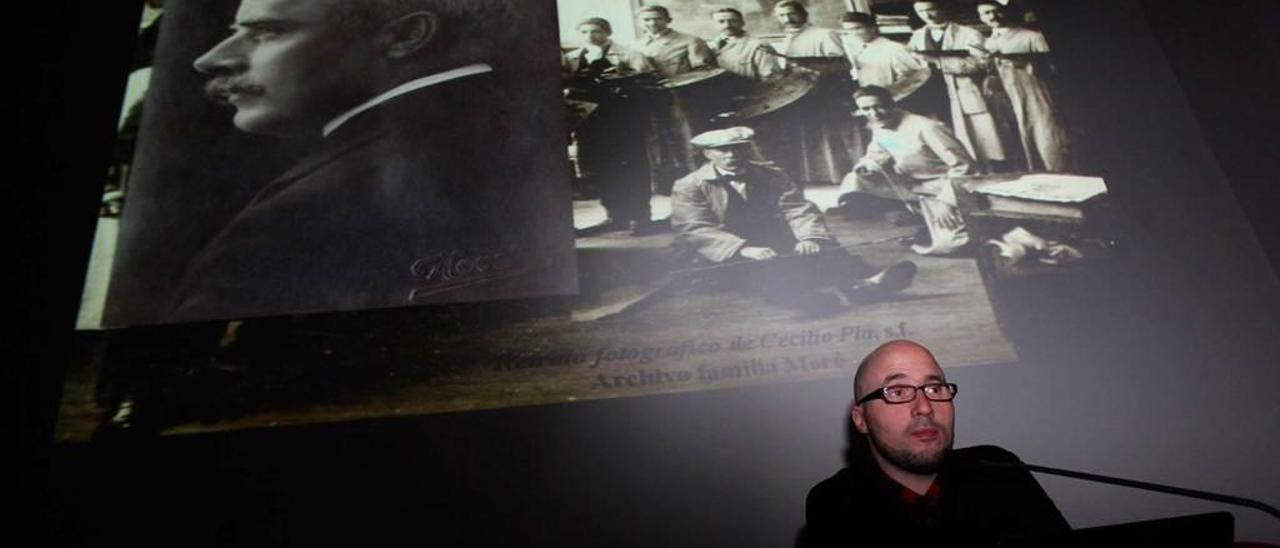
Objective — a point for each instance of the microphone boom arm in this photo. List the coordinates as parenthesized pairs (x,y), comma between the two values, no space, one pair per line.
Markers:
(1144,485)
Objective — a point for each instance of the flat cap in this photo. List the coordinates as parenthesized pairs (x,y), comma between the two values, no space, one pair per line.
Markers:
(723,137)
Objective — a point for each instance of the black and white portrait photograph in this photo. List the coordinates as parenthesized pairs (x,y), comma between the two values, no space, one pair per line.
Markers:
(284,157)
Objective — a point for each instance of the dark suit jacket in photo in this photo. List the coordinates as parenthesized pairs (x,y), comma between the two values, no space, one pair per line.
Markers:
(706,221)
(423,198)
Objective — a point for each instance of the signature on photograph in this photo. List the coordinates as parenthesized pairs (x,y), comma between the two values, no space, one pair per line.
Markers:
(451,270)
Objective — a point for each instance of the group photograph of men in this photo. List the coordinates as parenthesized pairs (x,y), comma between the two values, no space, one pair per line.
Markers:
(758,144)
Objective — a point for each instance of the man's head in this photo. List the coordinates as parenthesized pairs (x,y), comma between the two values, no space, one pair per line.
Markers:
(727,149)
(595,31)
(876,104)
(792,15)
(729,21)
(992,14)
(861,25)
(290,66)
(933,13)
(654,19)
(909,435)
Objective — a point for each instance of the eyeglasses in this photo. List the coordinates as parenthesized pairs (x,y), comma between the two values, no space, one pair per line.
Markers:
(903,393)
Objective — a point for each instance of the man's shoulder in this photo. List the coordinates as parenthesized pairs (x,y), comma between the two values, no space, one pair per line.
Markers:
(618,47)
(987,454)
(749,42)
(683,37)
(835,490)
(887,44)
(1025,35)
(767,167)
(1024,32)
(966,30)
(913,122)
(822,32)
(696,178)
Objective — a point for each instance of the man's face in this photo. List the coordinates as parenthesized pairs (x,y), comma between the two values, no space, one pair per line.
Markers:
(593,35)
(728,23)
(992,15)
(930,12)
(790,17)
(877,112)
(862,32)
(654,22)
(729,158)
(288,68)
(912,436)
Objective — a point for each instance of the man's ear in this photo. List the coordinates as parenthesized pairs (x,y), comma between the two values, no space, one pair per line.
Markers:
(859,419)
(410,33)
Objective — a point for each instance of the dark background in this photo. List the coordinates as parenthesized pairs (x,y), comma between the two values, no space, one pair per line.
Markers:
(1161,377)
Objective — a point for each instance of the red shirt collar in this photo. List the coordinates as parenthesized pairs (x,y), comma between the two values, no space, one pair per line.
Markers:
(926,504)
(928,499)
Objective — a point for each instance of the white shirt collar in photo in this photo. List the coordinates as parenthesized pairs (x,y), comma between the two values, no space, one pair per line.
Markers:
(410,86)
(734,181)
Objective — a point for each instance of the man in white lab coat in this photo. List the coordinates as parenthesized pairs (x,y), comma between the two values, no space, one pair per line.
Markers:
(737,51)
(671,53)
(942,43)
(1018,56)
(879,61)
(822,142)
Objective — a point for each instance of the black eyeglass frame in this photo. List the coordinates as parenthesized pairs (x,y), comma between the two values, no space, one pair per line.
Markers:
(878,394)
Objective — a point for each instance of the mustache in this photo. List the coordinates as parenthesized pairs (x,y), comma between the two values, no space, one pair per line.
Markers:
(221,89)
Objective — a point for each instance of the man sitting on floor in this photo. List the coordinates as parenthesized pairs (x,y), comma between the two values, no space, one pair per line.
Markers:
(733,209)
(909,159)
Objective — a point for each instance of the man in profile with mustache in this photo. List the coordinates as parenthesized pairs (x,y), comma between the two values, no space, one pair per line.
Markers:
(415,170)
(904,484)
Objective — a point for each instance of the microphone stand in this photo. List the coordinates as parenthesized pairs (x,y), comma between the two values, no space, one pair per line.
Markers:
(1143,485)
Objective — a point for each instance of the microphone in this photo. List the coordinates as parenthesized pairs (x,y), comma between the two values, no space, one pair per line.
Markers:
(1135,484)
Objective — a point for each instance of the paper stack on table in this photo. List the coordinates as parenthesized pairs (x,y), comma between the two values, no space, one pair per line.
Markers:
(1048,194)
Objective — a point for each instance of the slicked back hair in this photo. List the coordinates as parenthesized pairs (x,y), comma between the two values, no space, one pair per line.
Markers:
(666,14)
(597,21)
(467,27)
(730,10)
(792,3)
(860,18)
(885,97)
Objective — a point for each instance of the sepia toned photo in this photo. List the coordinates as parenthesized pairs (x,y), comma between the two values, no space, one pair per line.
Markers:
(760,192)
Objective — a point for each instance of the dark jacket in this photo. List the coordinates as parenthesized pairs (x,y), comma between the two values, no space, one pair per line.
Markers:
(978,504)
(363,221)
(700,204)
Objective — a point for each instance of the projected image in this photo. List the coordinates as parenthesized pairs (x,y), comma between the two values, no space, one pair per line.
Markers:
(292,165)
(762,192)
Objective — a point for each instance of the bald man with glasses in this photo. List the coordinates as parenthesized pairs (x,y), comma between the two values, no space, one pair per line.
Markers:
(905,484)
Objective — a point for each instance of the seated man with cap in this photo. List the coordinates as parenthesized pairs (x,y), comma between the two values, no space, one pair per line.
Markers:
(736,209)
